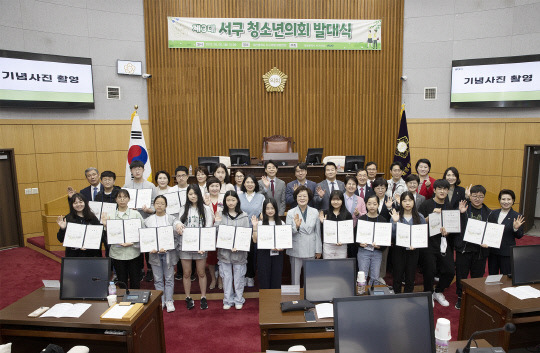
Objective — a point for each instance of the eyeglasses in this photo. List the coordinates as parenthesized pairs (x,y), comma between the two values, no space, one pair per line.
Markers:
(478,197)
(183,176)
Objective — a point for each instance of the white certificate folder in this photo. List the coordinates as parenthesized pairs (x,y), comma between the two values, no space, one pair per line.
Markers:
(123,231)
(83,236)
(231,237)
(199,239)
(274,237)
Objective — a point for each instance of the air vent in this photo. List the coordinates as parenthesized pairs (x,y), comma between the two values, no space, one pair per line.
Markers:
(113,92)
(430,93)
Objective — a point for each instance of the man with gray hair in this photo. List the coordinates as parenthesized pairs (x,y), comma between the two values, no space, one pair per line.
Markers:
(91,191)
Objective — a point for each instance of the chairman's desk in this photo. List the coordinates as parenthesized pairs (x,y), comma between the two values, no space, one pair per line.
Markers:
(143,334)
(486,307)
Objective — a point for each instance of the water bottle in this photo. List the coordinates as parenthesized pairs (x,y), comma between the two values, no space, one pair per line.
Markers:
(361,283)
(441,346)
(112,288)
(442,335)
(190,170)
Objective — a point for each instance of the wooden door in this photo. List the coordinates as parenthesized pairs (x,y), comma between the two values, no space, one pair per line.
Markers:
(10,214)
(529,184)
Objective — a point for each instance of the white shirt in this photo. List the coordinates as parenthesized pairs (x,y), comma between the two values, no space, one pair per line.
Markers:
(336,186)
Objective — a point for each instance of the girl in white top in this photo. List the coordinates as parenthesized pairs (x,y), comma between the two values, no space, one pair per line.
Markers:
(222,174)
(162,180)
(239,176)
(162,260)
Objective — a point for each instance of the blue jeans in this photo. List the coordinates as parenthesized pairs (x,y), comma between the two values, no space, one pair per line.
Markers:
(166,271)
(370,263)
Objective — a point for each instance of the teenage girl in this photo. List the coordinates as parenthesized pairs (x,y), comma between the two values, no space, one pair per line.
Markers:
(222,174)
(214,200)
(336,212)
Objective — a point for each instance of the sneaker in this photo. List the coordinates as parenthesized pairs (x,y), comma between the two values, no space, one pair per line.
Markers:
(193,277)
(178,276)
(381,281)
(170,306)
(238,306)
(250,282)
(441,299)
(149,277)
(204,303)
(226,307)
(189,303)
(436,279)
(458,303)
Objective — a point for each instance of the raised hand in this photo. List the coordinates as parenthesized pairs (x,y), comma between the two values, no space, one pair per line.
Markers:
(266,181)
(207,201)
(428,183)
(218,217)
(297,220)
(395,216)
(463,206)
(320,191)
(321,216)
(468,192)
(518,221)
(254,222)
(61,222)
(295,186)
(104,218)
(70,191)
(389,203)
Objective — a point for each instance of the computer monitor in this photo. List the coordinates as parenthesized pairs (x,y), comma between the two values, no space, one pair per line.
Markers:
(353,163)
(400,323)
(85,278)
(525,262)
(209,163)
(239,156)
(327,279)
(314,156)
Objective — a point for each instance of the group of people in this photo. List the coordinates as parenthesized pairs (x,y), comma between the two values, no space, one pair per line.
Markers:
(243,201)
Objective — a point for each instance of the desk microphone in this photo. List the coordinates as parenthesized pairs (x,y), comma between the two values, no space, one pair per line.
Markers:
(509,327)
(123,285)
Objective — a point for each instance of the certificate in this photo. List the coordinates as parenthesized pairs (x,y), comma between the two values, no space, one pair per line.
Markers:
(207,239)
(493,235)
(330,232)
(165,238)
(364,232)
(132,197)
(225,238)
(474,232)
(242,239)
(92,237)
(144,198)
(265,237)
(403,235)
(148,239)
(451,221)
(383,234)
(98,208)
(283,236)
(115,231)
(190,239)
(345,231)
(131,230)
(419,236)
(435,224)
(108,208)
(173,202)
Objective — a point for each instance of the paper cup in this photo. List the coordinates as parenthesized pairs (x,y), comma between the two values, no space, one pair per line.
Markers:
(111,299)
(361,277)
(442,329)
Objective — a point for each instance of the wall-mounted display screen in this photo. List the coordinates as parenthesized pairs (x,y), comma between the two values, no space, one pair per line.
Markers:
(512,81)
(31,80)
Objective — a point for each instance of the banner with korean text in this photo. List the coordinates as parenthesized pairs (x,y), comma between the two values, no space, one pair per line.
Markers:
(265,33)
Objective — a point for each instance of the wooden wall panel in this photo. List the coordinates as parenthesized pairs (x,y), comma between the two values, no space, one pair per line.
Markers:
(473,161)
(473,135)
(64,166)
(31,222)
(203,102)
(513,163)
(114,161)
(64,138)
(26,168)
(521,134)
(28,202)
(437,156)
(20,138)
(112,137)
(429,135)
(49,191)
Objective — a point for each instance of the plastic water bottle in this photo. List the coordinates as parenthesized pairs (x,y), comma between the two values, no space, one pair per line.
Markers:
(112,288)
(441,346)
(361,283)
(190,170)
(442,335)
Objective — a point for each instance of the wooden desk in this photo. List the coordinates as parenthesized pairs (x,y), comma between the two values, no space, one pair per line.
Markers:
(486,307)
(143,334)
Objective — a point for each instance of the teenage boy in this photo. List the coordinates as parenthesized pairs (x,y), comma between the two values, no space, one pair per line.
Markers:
(412,181)
(300,171)
(371,168)
(137,170)
(470,258)
(108,194)
(396,185)
(363,190)
(438,254)
(271,186)
(325,187)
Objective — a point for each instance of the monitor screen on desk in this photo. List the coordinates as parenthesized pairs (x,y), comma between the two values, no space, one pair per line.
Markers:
(209,163)
(400,323)
(314,156)
(525,264)
(327,279)
(239,156)
(85,278)
(353,163)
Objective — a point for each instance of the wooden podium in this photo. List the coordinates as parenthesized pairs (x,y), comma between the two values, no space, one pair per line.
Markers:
(53,209)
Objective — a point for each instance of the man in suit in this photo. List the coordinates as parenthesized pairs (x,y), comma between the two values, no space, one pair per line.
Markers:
(371,168)
(325,187)
(271,186)
(300,171)
(363,189)
(396,185)
(412,181)
(91,191)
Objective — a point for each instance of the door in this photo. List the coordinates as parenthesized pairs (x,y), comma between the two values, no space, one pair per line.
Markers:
(10,212)
(529,185)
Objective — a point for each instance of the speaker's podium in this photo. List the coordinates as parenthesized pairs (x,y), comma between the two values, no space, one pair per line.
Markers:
(279,149)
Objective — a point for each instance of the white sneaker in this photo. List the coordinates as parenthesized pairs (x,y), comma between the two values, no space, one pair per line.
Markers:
(226,307)
(441,299)
(238,306)
(250,282)
(170,306)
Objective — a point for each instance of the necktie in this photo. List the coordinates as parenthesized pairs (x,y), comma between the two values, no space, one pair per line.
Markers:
(362,193)
(272,187)
(332,187)
(95,193)
(394,189)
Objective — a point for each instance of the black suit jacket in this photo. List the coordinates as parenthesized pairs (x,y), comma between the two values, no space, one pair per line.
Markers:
(369,191)
(459,194)
(509,236)
(87,191)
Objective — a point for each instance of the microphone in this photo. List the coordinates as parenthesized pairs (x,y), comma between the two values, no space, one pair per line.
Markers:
(124,285)
(509,327)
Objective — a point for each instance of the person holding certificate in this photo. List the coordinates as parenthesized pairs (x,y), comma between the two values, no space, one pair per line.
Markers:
(79,212)
(232,263)
(125,256)
(499,259)
(163,259)
(470,258)
(337,212)
(194,214)
(386,204)
(404,259)
(214,200)
(306,232)
(369,256)
(270,262)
